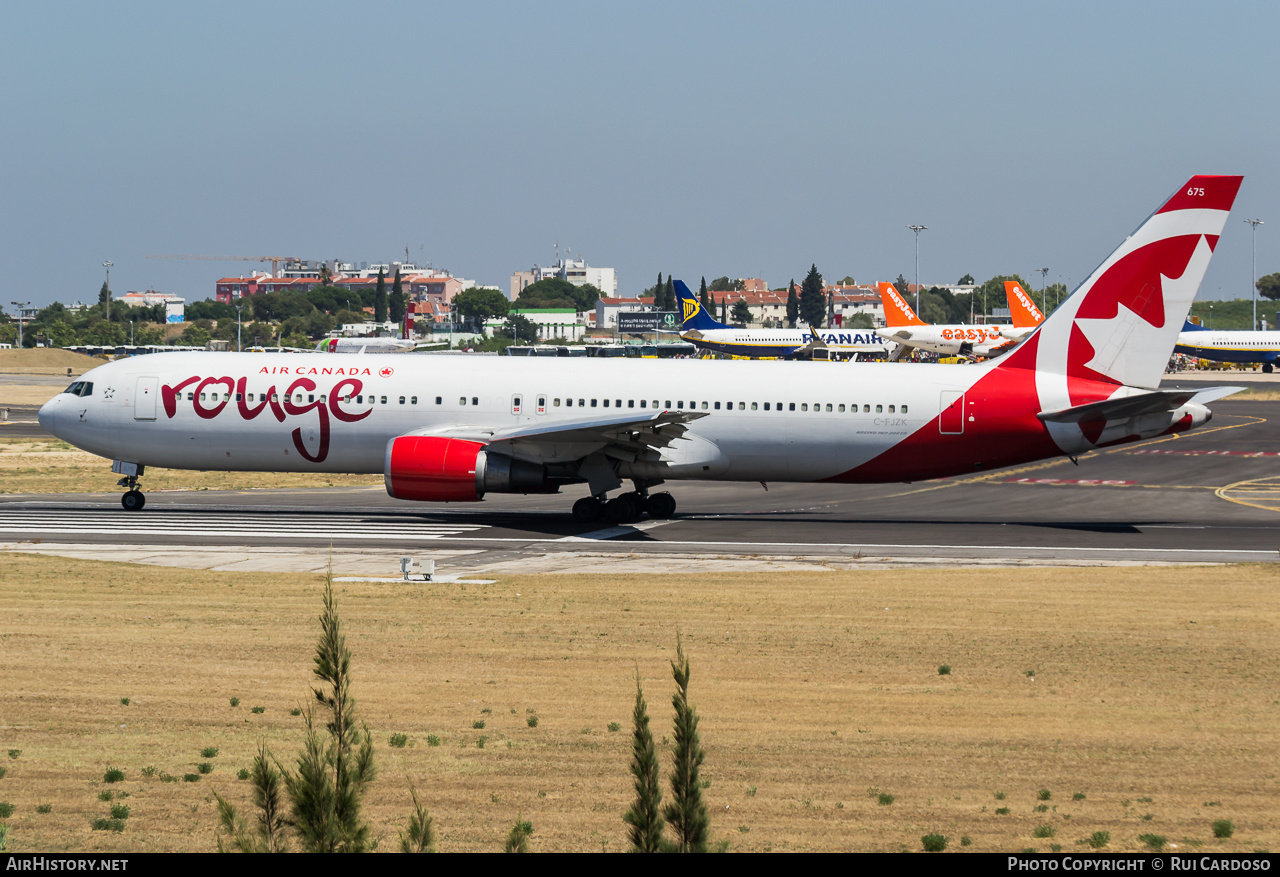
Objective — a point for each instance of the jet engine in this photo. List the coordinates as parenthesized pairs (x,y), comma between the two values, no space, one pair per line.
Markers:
(429,468)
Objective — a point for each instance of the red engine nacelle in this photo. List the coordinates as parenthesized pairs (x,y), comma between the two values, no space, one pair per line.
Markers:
(429,468)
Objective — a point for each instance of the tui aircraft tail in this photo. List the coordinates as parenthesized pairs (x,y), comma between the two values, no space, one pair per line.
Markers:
(896,310)
(693,315)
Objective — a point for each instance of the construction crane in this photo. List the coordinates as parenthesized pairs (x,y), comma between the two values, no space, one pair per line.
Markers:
(274,260)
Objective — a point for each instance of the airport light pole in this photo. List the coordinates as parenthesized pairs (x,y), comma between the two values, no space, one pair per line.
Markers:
(239,349)
(131,333)
(917,229)
(1255,223)
(107,263)
(1044,302)
(21,306)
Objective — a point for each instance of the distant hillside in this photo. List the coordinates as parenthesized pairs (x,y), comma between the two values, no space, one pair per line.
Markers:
(46,361)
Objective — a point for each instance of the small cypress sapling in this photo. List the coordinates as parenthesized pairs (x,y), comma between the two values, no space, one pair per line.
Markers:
(518,838)
(421,837)
(268,835)
(687,812)
(645,815)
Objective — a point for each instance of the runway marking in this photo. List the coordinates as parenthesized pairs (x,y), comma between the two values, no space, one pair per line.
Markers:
(1209,453)
(1264,493)
(161,522)
(1086,482)
(615,532)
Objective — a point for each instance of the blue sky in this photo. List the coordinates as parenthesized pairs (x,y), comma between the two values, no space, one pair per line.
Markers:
(700,139)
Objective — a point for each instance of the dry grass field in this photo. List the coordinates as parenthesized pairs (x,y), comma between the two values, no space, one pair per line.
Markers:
(52,466)
(1143,701)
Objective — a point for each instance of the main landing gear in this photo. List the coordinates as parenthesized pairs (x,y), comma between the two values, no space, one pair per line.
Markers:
(625,508)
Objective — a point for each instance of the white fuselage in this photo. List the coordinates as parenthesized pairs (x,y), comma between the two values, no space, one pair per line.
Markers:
(764,421)
(784,342)
(979,341)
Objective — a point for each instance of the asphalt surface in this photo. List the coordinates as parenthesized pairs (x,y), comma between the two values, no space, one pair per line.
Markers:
(1209,496)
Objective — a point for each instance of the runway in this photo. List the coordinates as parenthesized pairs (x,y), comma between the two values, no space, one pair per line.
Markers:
(1211,496)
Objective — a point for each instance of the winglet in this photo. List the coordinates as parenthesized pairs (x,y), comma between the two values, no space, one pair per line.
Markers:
(896,310)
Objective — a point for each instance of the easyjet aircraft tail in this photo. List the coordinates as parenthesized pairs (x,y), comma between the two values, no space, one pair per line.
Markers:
(693,315)
(896,310)
(1024,313)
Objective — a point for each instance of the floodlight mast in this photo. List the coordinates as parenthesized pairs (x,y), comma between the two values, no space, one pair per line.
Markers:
(917,229)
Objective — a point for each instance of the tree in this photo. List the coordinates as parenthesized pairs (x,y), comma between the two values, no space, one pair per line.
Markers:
(645,815)
(966,280)
(793,304)
(380,299)
(813,301)
(327,788)
(703,297)
(552,292)
(904,288)
(518,838)
(421,837)
(668,296)
(523,328)
(687,813)
(741,312)
(480,304)
(397,307)
(847,281)
(724,284)
(268,835)
(1269,286)
(104,294)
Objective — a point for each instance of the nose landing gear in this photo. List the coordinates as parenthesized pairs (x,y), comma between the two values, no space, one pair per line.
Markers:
(133,500)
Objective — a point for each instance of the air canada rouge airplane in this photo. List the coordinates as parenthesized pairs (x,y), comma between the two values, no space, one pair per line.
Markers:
(451,429)
(982,342)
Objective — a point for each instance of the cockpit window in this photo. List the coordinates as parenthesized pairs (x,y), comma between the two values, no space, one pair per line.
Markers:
(80,388)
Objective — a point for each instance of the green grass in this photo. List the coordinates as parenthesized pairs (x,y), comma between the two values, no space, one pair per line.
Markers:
(1154,841)
(1099,839)
(1044,830)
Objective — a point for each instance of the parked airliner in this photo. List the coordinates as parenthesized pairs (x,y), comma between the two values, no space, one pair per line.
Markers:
(1230,346)
(451,429)
(982,342)
(706,333)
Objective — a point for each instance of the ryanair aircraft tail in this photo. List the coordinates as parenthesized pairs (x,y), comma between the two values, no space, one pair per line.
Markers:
(693,315)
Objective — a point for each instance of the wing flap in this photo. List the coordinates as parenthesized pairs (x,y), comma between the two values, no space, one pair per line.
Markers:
(1122,407)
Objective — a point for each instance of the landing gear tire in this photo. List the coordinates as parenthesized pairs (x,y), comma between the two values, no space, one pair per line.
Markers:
(1266,368)
(133,501)
(661,506)
(624,509)
(588,509)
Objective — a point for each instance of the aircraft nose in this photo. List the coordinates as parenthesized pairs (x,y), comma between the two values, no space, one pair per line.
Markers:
(47,415)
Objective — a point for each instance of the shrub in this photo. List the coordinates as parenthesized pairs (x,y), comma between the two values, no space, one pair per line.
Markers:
(209,752)
(1044,794)
(934,843)
(944,670)
(1044,830)
(1099,839)
(108,825)
(296,711)
(191,777)
(14,753)
(113,775)
(1078,796)
(1223,828)
(615,726)
(235,701)
(531,721)
(119,811)
(398,741)
(433,740)
(44,808)
(204,767)
(3,771)
(518,839)
(104,796)
(1042,808)
(1000,796)
(242,773)
(124,701)
(478,724)
(966,841)
(6,809)
(149,770)
(1002,811)
(884,800)
(259,709)
(167,777)
(480,741)
(1154,841)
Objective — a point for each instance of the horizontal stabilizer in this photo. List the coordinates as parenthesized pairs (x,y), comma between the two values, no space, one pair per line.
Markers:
(1122,407)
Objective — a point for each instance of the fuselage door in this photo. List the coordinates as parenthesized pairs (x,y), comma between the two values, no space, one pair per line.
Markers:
(951,420)
(144,400)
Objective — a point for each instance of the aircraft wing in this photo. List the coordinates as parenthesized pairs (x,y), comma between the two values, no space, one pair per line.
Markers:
(1134,406)
(623,437)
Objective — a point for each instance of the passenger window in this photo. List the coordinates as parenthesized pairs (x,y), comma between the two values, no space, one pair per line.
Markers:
(606,403)
(866,409)
(582,403)
(593,403)
(804,406)
(312,398)
(766,406)
(346,398)
(829,406)
(904,409)
(239,397)
(742,406)
(475,400)
(704,406)
(323,398)
(360,400)
(631,403)
(275,397)
(842,408)
(439,400)
(879,409)
(555,403)
(413,400)
(402,400)
(717,406)
(618,403)
(644,404)
(383,401)
(890,409)
(753,406)
(655,404)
